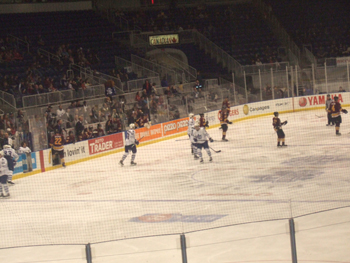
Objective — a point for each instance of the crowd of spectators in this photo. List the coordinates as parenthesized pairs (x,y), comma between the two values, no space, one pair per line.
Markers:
(14,129)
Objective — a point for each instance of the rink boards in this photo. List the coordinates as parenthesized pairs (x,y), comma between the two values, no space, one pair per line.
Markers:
(98,147)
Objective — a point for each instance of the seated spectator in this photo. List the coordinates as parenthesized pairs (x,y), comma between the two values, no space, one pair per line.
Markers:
(164,83)
(137,97)
(70,138)
(99,130)
(197,89)
(174,91)
(341,89)
(147,87)
(117,125)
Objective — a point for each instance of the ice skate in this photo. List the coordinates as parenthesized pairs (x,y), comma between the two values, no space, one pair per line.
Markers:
(210,159)
(10,182)
(121,162)
(6,196)
(224,140)
(64,165)
(201,161)
(338,133)
(133,163)
(196,157)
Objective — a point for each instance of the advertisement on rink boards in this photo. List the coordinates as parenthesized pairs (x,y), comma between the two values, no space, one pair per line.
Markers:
(175,126)
(154,132)
(319,100)
(106,143)
(25,163)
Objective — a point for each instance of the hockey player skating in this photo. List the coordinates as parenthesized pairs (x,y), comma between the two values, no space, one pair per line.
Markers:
(130,145)
(200,136)
(190,130)
(335,109)
(277,125)
(12,158)
(4,171)
(224,121)
(329,115)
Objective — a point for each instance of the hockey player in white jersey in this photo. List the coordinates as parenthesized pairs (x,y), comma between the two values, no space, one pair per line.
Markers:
(190,130)
(4,171)
(14,157)
(130,145)
(201,136)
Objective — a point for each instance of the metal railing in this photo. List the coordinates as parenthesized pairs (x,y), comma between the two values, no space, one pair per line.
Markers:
(137,84)
(169,74)
(20,42)
(63,96)
(49,56)
(254,69)
(135,68)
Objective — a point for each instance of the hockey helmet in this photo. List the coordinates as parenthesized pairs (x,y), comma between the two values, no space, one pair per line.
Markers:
(132,126)
(201,114)
(7,146)
(328,95)
(336,98)
(197,124)
(275,113)
(191,115)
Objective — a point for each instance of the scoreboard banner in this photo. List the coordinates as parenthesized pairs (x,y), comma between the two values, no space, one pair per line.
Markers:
(159,40)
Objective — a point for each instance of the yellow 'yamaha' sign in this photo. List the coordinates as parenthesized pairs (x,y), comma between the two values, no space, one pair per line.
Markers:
(164,40)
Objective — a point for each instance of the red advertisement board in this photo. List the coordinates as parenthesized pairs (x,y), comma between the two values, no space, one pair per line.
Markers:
(154,132)
(106,143)
(175,126)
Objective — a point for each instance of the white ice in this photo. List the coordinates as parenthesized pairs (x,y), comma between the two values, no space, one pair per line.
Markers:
(250,180)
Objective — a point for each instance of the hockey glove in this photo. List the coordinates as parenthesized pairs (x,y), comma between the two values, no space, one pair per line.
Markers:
(195,139)
(137,142)
(229,122)
(344,111)
(284,123)
(211,140)
(14,163)
(207,124)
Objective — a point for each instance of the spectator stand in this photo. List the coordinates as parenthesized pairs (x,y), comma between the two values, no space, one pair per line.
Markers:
(166,73)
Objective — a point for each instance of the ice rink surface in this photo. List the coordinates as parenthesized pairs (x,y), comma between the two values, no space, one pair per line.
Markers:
(169,192)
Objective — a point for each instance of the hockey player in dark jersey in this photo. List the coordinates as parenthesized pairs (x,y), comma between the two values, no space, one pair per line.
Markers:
(57,142)
(224,121)
(335,109)
(277,125)
(226,103)
(202,122)
(329,115)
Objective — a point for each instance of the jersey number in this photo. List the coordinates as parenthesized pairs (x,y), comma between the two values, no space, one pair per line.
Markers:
(58,141)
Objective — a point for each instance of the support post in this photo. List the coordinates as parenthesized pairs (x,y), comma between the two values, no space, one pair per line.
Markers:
(183,248)
(292,240)
(88,253)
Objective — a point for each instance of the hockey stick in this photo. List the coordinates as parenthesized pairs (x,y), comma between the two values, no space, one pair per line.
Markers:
(219,151)
(319,116)
(181,140)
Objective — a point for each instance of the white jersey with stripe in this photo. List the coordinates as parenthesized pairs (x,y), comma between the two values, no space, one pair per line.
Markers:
(191,123)
(4,168)
(201,135)
(11,152)
(130,137)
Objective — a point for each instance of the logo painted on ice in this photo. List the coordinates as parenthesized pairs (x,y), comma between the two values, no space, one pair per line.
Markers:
(171,218)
